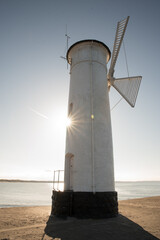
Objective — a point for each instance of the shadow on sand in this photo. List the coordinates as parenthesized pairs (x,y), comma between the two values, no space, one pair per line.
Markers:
(118,228)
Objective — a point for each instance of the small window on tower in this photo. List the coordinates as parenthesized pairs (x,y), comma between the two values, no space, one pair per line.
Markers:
(70,109)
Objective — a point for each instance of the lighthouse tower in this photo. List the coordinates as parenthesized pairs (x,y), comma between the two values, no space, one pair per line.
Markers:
(89,189)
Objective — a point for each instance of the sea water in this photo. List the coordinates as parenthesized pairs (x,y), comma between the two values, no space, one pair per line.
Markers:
(131,190)
(19,194)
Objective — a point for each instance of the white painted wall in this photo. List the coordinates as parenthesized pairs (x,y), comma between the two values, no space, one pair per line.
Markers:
(89,141)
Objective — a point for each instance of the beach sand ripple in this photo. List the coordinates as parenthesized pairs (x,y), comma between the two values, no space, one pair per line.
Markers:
(138,219)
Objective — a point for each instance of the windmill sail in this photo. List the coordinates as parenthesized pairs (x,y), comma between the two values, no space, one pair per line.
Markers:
(121,28)
(128,88)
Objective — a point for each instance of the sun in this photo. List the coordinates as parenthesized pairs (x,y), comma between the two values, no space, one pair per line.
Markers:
(68,122)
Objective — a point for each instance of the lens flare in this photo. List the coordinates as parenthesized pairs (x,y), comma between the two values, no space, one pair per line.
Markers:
(68,122)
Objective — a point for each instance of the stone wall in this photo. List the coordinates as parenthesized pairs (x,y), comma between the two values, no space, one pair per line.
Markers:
(84,204)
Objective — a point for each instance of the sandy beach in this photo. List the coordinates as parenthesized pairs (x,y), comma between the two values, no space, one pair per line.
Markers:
(141,215)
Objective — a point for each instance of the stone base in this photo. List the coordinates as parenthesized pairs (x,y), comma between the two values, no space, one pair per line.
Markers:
(84,204)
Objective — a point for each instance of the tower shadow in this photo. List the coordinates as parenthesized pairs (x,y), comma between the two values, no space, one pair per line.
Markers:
(117,228)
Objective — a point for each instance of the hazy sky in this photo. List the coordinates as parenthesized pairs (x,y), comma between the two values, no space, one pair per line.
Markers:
(34,83)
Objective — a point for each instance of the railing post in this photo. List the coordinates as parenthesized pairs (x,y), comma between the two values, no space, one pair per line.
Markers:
(53,179)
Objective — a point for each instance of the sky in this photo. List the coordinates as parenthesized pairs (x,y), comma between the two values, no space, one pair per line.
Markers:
(34,83)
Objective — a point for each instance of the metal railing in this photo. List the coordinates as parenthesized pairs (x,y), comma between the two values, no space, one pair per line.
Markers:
(58,180)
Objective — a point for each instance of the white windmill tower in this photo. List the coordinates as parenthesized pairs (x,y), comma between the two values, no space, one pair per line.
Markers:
(89,189)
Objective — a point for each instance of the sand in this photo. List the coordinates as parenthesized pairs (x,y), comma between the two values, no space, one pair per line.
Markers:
(138,219)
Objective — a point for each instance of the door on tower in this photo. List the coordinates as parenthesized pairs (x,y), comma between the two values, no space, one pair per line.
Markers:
(69,171)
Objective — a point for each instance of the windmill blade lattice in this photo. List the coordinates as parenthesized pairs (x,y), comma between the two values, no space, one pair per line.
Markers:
(121,28)
(128,88)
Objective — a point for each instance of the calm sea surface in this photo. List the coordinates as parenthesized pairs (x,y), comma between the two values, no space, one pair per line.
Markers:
(16,194)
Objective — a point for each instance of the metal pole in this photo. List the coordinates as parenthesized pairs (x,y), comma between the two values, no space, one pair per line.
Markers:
(53,179)
(58,179)
(92,126)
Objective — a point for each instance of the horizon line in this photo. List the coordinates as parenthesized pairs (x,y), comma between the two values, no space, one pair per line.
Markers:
(51,181)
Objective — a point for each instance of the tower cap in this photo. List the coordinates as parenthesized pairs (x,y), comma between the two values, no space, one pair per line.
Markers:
(92,41)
